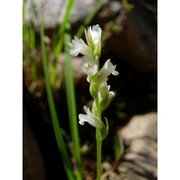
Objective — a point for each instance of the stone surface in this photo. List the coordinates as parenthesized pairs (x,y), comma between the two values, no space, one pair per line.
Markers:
(139,161)
(140,139)
(53,11)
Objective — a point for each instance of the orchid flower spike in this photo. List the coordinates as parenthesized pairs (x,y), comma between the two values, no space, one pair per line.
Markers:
(99,89)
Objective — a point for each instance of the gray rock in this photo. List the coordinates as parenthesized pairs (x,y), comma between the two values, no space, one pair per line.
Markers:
(139,161)
(53,11)
(140,158)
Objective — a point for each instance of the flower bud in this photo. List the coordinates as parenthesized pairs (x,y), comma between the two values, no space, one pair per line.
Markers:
(93,38)
(104,95)
(94,89)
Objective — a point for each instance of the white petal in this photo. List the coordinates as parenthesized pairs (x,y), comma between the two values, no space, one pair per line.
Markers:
(104,90)
(90,118)
(111,94)
(81,119)
(90,65)
(78,46)
(110,68)
(95,33)
(90,70)
(106,70)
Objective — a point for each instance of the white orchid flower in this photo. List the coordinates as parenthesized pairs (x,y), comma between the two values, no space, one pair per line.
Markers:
(89,65)
(90,118)
(107,69)
(95,34)
(99,88)
(93,38)
(78,46)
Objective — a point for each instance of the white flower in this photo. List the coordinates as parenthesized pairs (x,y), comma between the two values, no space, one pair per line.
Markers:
(95,33)
(93,38)
(78,46)
(107,69)
(90,118)
(90,65)
(91,52)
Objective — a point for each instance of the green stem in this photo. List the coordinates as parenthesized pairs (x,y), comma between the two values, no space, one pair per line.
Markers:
(97,112)
(55,122)
(98,155)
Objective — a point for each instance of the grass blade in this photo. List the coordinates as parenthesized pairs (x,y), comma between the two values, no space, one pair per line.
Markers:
(55,122)
(72,106)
